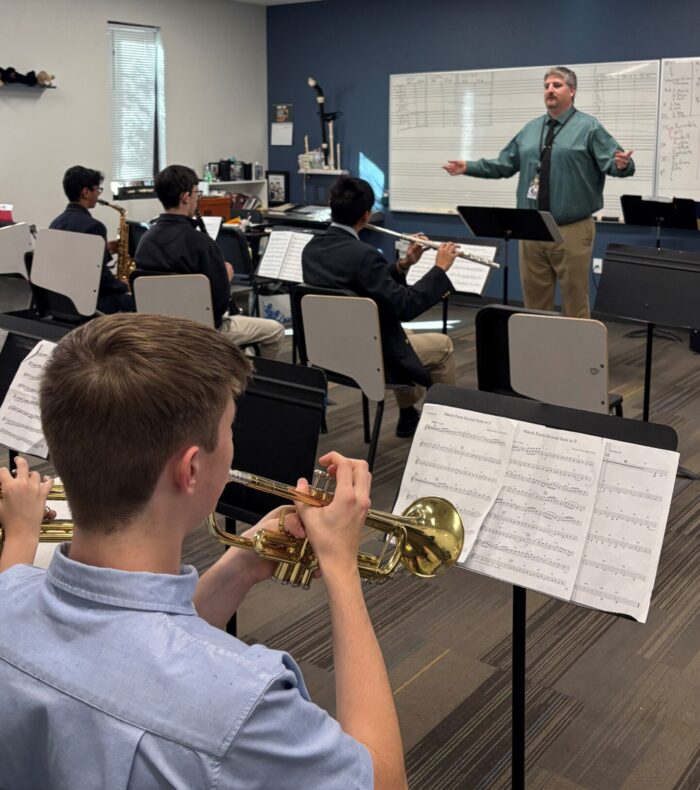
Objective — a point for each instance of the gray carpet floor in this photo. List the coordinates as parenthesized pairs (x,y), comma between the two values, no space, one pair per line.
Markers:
(610,703)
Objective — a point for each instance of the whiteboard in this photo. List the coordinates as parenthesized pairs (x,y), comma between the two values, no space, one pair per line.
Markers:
(445,115)
(679,129)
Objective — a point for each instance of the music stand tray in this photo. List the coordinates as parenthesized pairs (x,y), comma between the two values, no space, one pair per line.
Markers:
(525,224)
(677,213)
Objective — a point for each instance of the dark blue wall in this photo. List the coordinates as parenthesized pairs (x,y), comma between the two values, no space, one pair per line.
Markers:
(352,48)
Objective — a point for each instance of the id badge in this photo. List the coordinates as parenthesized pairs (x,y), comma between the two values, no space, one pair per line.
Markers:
(534,188)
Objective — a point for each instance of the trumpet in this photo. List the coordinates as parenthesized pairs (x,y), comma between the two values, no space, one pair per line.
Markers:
(427,537)
(54,531)
(434,245)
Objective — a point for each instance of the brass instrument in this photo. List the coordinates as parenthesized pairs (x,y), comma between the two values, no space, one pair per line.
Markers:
(55,530)
(125,264)
(427,537)
(434,245)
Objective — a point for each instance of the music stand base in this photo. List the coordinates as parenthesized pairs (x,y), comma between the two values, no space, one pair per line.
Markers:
(664,334)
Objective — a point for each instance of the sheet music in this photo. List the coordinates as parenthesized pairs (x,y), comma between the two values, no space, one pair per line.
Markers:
(20,419)
(574,516)
(465,276)
(282,257)
(624,541)
(213,225)
(535,533)
(291,267)
(459,455)
(273,258)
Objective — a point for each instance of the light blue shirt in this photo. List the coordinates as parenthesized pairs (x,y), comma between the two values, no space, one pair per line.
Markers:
(110,680)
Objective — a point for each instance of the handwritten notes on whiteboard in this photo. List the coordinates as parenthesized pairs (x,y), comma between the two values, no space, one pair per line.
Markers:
(679,129)
(20,418)
(574,516)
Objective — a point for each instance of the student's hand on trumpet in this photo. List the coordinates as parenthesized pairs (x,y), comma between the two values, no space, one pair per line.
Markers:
(22,509)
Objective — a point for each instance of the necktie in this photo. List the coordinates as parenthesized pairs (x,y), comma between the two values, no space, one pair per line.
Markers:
(545,166)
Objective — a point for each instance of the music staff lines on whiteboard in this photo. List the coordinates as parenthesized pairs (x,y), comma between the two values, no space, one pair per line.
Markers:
(439,484)
(462,472)
(617,543)
(486,560)
(517,522)
(552,470)
(466,435)
(461,453)
(531,541)
(607,596)
(611,489)
(642,522)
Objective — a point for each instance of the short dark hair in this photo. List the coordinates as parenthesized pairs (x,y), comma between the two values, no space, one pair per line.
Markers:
(172,182)
(565,73)
(350,199)
(78,178)
(120,395)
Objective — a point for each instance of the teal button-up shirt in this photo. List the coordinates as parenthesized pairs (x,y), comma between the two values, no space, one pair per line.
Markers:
(582,155)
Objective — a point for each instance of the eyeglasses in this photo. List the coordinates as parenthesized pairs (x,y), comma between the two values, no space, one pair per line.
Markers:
(99,190)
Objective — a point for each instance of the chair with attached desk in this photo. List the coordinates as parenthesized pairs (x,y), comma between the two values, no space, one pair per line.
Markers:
(339,333)
(545,357)
(66,269)
(181,295)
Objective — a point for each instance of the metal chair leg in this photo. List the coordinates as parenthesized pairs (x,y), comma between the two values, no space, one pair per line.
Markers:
(379,413)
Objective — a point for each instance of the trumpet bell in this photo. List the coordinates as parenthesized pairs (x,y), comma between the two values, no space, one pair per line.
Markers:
(434,544)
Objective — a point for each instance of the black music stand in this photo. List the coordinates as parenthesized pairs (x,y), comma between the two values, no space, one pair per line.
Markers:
(275,434)
(649,434)
(652,286)
(677,213)
(526,224)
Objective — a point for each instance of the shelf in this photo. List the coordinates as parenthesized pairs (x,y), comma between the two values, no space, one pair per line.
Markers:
(323,172)
(237,182)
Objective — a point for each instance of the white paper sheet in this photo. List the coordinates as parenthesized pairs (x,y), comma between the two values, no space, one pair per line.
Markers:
(465,276)
(459,455)
(213,225)
(536,531)
(282,257)
(574,516)
(20,419)
(624,541)
(281,133)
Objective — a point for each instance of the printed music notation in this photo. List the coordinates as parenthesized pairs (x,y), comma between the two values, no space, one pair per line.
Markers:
(282,257)
(466,276)
(574,516)
(20,418)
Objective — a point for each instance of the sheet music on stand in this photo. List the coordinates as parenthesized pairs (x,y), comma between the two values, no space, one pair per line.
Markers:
(466,276)
(575,516)
(20,418)
(282,257)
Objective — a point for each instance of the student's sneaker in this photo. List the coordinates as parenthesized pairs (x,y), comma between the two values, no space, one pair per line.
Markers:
(408,421)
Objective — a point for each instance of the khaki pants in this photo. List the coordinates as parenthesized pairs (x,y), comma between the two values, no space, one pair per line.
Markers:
(436,352)
(266,332)
(543,263)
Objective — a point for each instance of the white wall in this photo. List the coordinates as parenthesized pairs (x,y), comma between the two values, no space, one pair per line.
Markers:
(215,91)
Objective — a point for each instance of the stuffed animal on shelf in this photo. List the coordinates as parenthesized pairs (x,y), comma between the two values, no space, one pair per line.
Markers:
(11,76)
(45,79)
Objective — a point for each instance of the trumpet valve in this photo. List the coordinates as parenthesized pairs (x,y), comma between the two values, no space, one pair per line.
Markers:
(323,482)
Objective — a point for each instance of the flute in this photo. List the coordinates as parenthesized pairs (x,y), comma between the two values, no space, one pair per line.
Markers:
(434,245)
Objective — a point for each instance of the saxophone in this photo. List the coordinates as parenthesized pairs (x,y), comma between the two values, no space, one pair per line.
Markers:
(125,264)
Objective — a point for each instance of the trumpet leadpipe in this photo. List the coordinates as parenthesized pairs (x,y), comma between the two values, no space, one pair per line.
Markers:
(434,245)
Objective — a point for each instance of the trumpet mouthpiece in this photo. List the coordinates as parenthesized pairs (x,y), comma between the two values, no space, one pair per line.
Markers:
(236,476)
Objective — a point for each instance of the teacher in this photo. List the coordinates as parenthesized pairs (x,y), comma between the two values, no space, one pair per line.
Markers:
(563,158)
